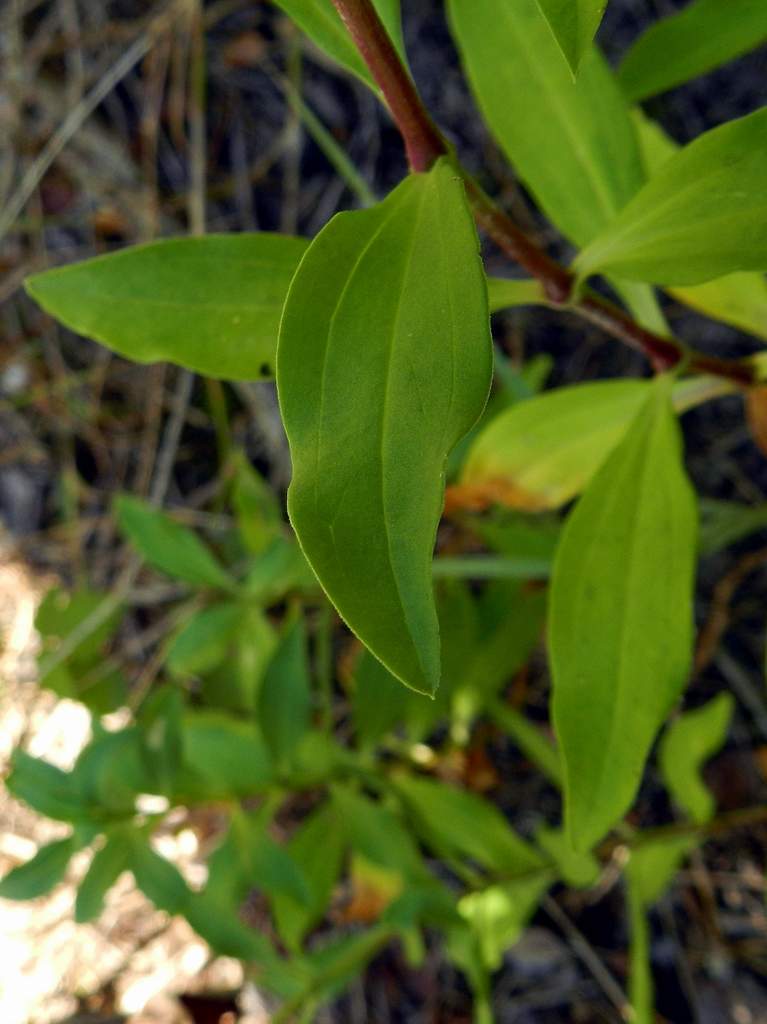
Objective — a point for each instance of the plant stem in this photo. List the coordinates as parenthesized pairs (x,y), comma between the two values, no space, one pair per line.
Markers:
(424,144)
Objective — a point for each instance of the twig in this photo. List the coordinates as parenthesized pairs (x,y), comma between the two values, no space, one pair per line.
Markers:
(73,121)
(425,144)
(588,957)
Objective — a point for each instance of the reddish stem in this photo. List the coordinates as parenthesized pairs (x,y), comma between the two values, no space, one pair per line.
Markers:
(424,143)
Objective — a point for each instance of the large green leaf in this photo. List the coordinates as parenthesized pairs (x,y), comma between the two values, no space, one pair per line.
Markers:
(701,36)
(574,24)
(169,546)
(384,363)
(46,788)
(321,22)
(571,142)
(737,299)
(540,453)
(620,626)
(702,215)
(689,741)
(209,304)
(224,756)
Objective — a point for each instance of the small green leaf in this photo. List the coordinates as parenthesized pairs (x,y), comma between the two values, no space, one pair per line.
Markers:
(579,870)
(209,304)
(204,640)
(158,879)
(168,546)
(224,756)
(649,871)
(112,771)
(255,505)
(504,293)
(265,864)
(701,216)
(498,915)
(46,788)
(726,522)
(385,338)
(620,620)
(377,833)
(688,742)
(573,24)
(285,701)
(457,822)
(571,142)
(379,701)
(322,830)
(540,453)
(320,21)
(40,874)
(106,867)
(703,35)
(737,299)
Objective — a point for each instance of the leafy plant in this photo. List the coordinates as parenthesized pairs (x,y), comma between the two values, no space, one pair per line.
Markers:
(378,333)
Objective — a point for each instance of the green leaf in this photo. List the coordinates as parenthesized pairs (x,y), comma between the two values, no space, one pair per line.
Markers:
(209,304)
(235,683)
(579,870)
(540,453)
(204,640)
(255,505)
(620,619)
(113,770)
(49,790)
(385,337)
(737,299)
(455,822)
(40,874)
(265,864)
(322,830)
(703,35)
(161,721)
(498,915)
(649,871)
(321,22)
(573,24)
(81,676)
(168,546)
(504,293)
(687,743)
(572,143)
(379,701)
(106,867)
(375,832)
(158,879)
(285,701)
(224,756)
(701,216)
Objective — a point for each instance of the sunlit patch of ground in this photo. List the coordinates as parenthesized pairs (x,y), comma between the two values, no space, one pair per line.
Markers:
(133,957)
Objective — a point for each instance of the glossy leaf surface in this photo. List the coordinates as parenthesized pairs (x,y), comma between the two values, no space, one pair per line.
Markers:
(210,304)
(384,363)
(689,741)
(704,34)
(620,626)
(571,142)
(574,24)
(703,215)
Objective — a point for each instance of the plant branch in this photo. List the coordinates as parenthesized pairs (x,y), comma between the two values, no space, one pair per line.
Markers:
(424,144)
